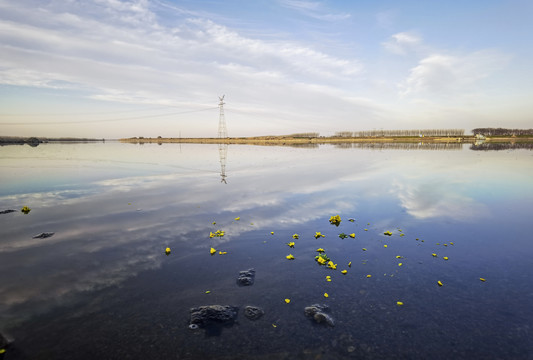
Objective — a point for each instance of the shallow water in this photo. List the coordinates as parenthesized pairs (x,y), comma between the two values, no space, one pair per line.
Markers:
(102,286)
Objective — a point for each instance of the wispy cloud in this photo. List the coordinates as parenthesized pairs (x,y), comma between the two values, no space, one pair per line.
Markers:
(439,74)
(402,43)
(314,9)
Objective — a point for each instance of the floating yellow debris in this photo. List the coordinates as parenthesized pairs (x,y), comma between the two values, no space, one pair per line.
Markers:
(214,222)
(388,233)
(208,292)
(482,279)
(445,244)
(213,251)
(222,252)
(218,233)
(369,276)
(272,233)
(290,257)
(352,235)
(25,210)
(451,243)
(321,260)
(335,220)
(399,303)
(445,257)
(287,300)
(402,234)
(400,264)
(332,266)
(328,278)
(320,250)
(326,295)
(350,264)
(296,236)
(366,229)
(237,218)
(399,257)
(291,244)
(319,234)
(167,250)
(344,272)
(274,325)
(439,282)
(385,245)
(437,244)
(364,249)
(434,255)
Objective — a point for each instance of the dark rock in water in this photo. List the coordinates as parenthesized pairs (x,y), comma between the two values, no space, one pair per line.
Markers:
(317,312)
(7,211)
(253,312)
(246,278)
(204,315)
(43,235)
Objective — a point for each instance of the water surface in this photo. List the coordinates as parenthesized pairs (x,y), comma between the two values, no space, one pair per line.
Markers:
(102,286)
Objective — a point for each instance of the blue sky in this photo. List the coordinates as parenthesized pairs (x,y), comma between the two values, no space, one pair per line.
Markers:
(117,68)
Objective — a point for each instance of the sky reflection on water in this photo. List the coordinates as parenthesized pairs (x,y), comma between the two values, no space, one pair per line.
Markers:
(115,207)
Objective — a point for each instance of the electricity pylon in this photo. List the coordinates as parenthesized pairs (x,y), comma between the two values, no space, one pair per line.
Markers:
(222,132)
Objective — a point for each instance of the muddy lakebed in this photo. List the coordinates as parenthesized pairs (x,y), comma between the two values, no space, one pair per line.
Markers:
(192,251)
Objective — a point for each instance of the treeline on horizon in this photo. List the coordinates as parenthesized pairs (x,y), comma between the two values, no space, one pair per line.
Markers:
(501,132)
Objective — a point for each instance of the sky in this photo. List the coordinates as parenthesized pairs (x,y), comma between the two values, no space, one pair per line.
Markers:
(125,68)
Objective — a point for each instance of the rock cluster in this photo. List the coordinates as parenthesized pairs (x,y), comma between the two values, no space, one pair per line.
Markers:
(246,277)
(204,315)
(317,313)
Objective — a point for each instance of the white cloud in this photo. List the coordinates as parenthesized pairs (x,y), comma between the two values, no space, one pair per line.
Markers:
(313,9)
(439,74)
(402,43)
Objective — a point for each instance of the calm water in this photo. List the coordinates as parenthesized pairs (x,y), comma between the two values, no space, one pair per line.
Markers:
(102,287)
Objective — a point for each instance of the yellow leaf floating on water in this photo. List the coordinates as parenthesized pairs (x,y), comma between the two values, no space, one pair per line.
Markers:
(388,233)
(290,257)
(274,325)
(335,220)
(400,264)
(237,218)
(222,252)
(385,245)
(451,243)
(167,250)
(326,295)
(344,272)
(439,282)
(482,279)
(321,260)
(272,233)
(434,255)
(328,278)
(291,244)
(364,249)
(399,257)
(319,234)
(332,266)
(287,300)
(369,276)
(208,292)
(320,250)
(350,264)
(399,303)
(366,229)
(445,257)
(352,235)
(213,251)
(25,210)
(295,236)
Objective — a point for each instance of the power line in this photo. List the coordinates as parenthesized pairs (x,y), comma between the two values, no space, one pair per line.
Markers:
(104,120)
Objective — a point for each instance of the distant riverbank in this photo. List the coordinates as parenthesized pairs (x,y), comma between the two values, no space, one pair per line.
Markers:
(35,141)
(288,140)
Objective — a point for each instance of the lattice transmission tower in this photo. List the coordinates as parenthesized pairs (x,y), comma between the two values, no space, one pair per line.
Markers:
(222,131)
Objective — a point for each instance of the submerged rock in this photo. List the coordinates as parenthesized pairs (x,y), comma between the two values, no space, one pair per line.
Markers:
(253,312)
(246,277)
(7,211)
(317,312)
(43,235)
(204,315)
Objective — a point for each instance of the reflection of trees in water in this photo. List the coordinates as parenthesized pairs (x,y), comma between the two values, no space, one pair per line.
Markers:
(401,146)
(502,146)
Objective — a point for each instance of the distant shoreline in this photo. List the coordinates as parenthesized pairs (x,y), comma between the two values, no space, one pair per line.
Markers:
(35,141)
(288,140)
